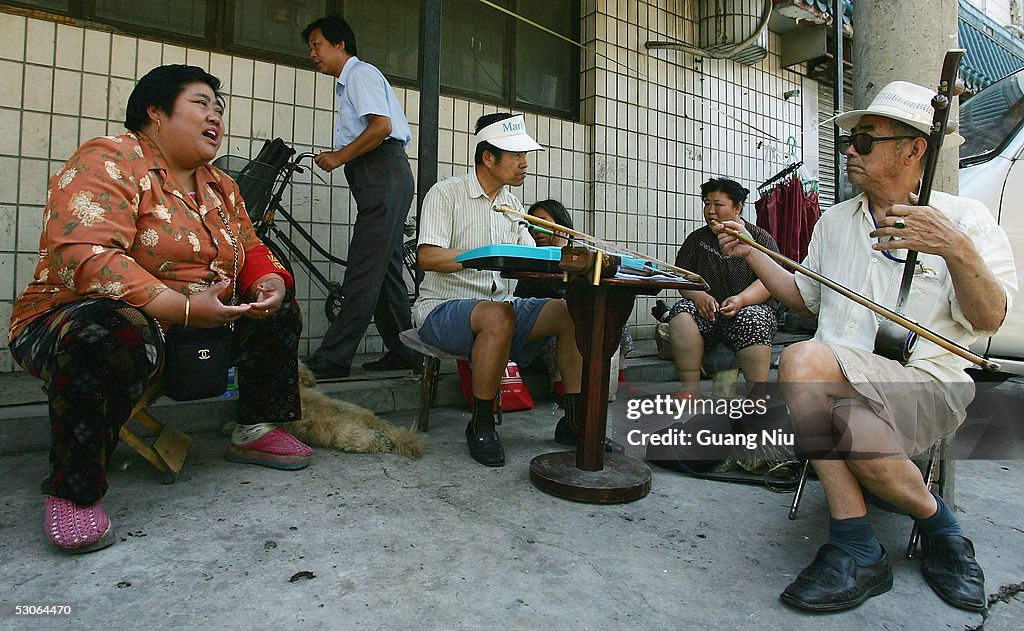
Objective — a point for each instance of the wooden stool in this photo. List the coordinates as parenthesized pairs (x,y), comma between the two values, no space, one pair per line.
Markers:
(432,357)
(932,479)
(165,447)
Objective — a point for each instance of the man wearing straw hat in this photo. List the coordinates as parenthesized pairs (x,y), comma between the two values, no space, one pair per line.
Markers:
(473,312)
(859,415)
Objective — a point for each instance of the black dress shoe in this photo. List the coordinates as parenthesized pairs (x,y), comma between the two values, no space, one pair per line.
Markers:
(485,446)
(390,361)
(565,434)
(949,568)
(659,309)
(324,368)
(834,581)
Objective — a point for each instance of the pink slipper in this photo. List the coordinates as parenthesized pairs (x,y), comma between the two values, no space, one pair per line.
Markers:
(74,528)
(276,449)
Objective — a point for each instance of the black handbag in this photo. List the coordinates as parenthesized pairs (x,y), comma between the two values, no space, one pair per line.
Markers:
(196,362)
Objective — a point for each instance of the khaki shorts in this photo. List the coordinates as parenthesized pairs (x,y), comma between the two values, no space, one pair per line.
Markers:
(920,409)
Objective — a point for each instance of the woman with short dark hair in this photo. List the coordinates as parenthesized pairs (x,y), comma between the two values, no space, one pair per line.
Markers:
(140,233)
(737,310)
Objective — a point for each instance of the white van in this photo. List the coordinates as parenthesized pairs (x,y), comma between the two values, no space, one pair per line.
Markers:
(992,170)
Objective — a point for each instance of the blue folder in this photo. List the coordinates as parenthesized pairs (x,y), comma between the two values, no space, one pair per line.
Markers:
(505,257)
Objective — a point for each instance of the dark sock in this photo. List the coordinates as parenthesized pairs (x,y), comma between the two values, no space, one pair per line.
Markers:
(855,536)
(483,415)
(943,522)
(756,390)
(574,411)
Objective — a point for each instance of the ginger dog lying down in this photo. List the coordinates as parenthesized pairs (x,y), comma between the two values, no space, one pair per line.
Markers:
(344,426)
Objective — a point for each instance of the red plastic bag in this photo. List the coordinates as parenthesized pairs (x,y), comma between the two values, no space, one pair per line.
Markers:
(514,395)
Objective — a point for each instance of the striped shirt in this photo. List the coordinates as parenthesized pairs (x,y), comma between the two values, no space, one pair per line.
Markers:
(457,214)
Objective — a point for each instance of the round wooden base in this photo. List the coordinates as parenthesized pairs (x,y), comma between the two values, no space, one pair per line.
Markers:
(623,479)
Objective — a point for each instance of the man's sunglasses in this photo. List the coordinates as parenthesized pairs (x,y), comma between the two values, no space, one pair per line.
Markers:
(863,142)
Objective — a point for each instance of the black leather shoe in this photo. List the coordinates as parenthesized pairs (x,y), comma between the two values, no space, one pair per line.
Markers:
(566,435)
(659,309)
(949,568)
(485,446)
(389,361)
(325,368)
(834,581)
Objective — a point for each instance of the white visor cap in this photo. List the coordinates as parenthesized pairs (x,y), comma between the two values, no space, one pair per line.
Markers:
(509,134)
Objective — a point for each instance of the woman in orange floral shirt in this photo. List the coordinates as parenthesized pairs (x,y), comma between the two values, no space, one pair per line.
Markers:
(140,233)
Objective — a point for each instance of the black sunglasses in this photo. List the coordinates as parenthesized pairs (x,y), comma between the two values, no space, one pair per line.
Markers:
(863,142)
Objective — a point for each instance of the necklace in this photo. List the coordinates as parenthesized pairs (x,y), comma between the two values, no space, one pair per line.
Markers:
(886,253)
(234,253)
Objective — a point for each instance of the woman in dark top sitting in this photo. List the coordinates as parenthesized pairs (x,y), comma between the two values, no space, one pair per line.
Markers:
(738,311)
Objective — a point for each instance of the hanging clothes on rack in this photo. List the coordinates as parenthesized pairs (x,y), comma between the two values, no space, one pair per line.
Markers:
(788,211)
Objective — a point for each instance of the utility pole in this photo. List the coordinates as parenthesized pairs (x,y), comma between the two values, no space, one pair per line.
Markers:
(430,97)
(905,41)
(839,106)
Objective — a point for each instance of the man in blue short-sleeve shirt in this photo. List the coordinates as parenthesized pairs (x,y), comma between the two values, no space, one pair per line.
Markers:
(370,136)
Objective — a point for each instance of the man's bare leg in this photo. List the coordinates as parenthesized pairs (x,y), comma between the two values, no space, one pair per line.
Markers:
(493,324)
(852,566)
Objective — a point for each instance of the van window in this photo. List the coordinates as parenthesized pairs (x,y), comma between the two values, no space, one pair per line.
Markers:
(990,118)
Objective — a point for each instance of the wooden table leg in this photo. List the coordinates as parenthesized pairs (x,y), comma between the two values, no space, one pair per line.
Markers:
(590,474)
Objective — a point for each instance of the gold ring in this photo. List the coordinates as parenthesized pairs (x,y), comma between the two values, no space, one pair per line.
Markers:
(900,223)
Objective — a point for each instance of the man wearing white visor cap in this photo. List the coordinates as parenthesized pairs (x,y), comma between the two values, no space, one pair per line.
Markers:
(858,415)
(509,134)
(472,312)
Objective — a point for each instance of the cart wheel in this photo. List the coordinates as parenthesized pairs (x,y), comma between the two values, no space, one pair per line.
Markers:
(332,306)
(168,477)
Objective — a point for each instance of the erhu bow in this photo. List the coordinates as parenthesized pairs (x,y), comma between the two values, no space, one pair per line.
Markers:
(600,244)
(881,310)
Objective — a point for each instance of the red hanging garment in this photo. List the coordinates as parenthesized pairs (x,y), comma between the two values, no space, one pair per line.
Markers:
(789,213)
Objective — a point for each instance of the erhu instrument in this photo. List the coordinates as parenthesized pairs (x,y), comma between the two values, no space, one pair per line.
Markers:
(899,336)
(893,340)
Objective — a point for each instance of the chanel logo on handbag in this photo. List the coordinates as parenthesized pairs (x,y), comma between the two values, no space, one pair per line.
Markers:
(196,362)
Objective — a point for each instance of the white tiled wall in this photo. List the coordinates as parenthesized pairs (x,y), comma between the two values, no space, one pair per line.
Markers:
(664,121)
(654,126)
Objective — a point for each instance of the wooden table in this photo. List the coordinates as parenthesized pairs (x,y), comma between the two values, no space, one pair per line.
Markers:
(589,474)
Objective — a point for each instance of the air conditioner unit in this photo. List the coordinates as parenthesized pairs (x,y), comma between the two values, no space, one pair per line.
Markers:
(721,25)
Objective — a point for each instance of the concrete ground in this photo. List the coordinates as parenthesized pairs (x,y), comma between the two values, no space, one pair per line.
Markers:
(385,542)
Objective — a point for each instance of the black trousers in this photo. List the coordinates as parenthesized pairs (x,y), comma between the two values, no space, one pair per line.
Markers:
(99,355)
(382,185)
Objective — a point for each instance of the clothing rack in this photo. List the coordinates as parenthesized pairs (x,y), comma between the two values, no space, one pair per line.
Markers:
(780,175)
